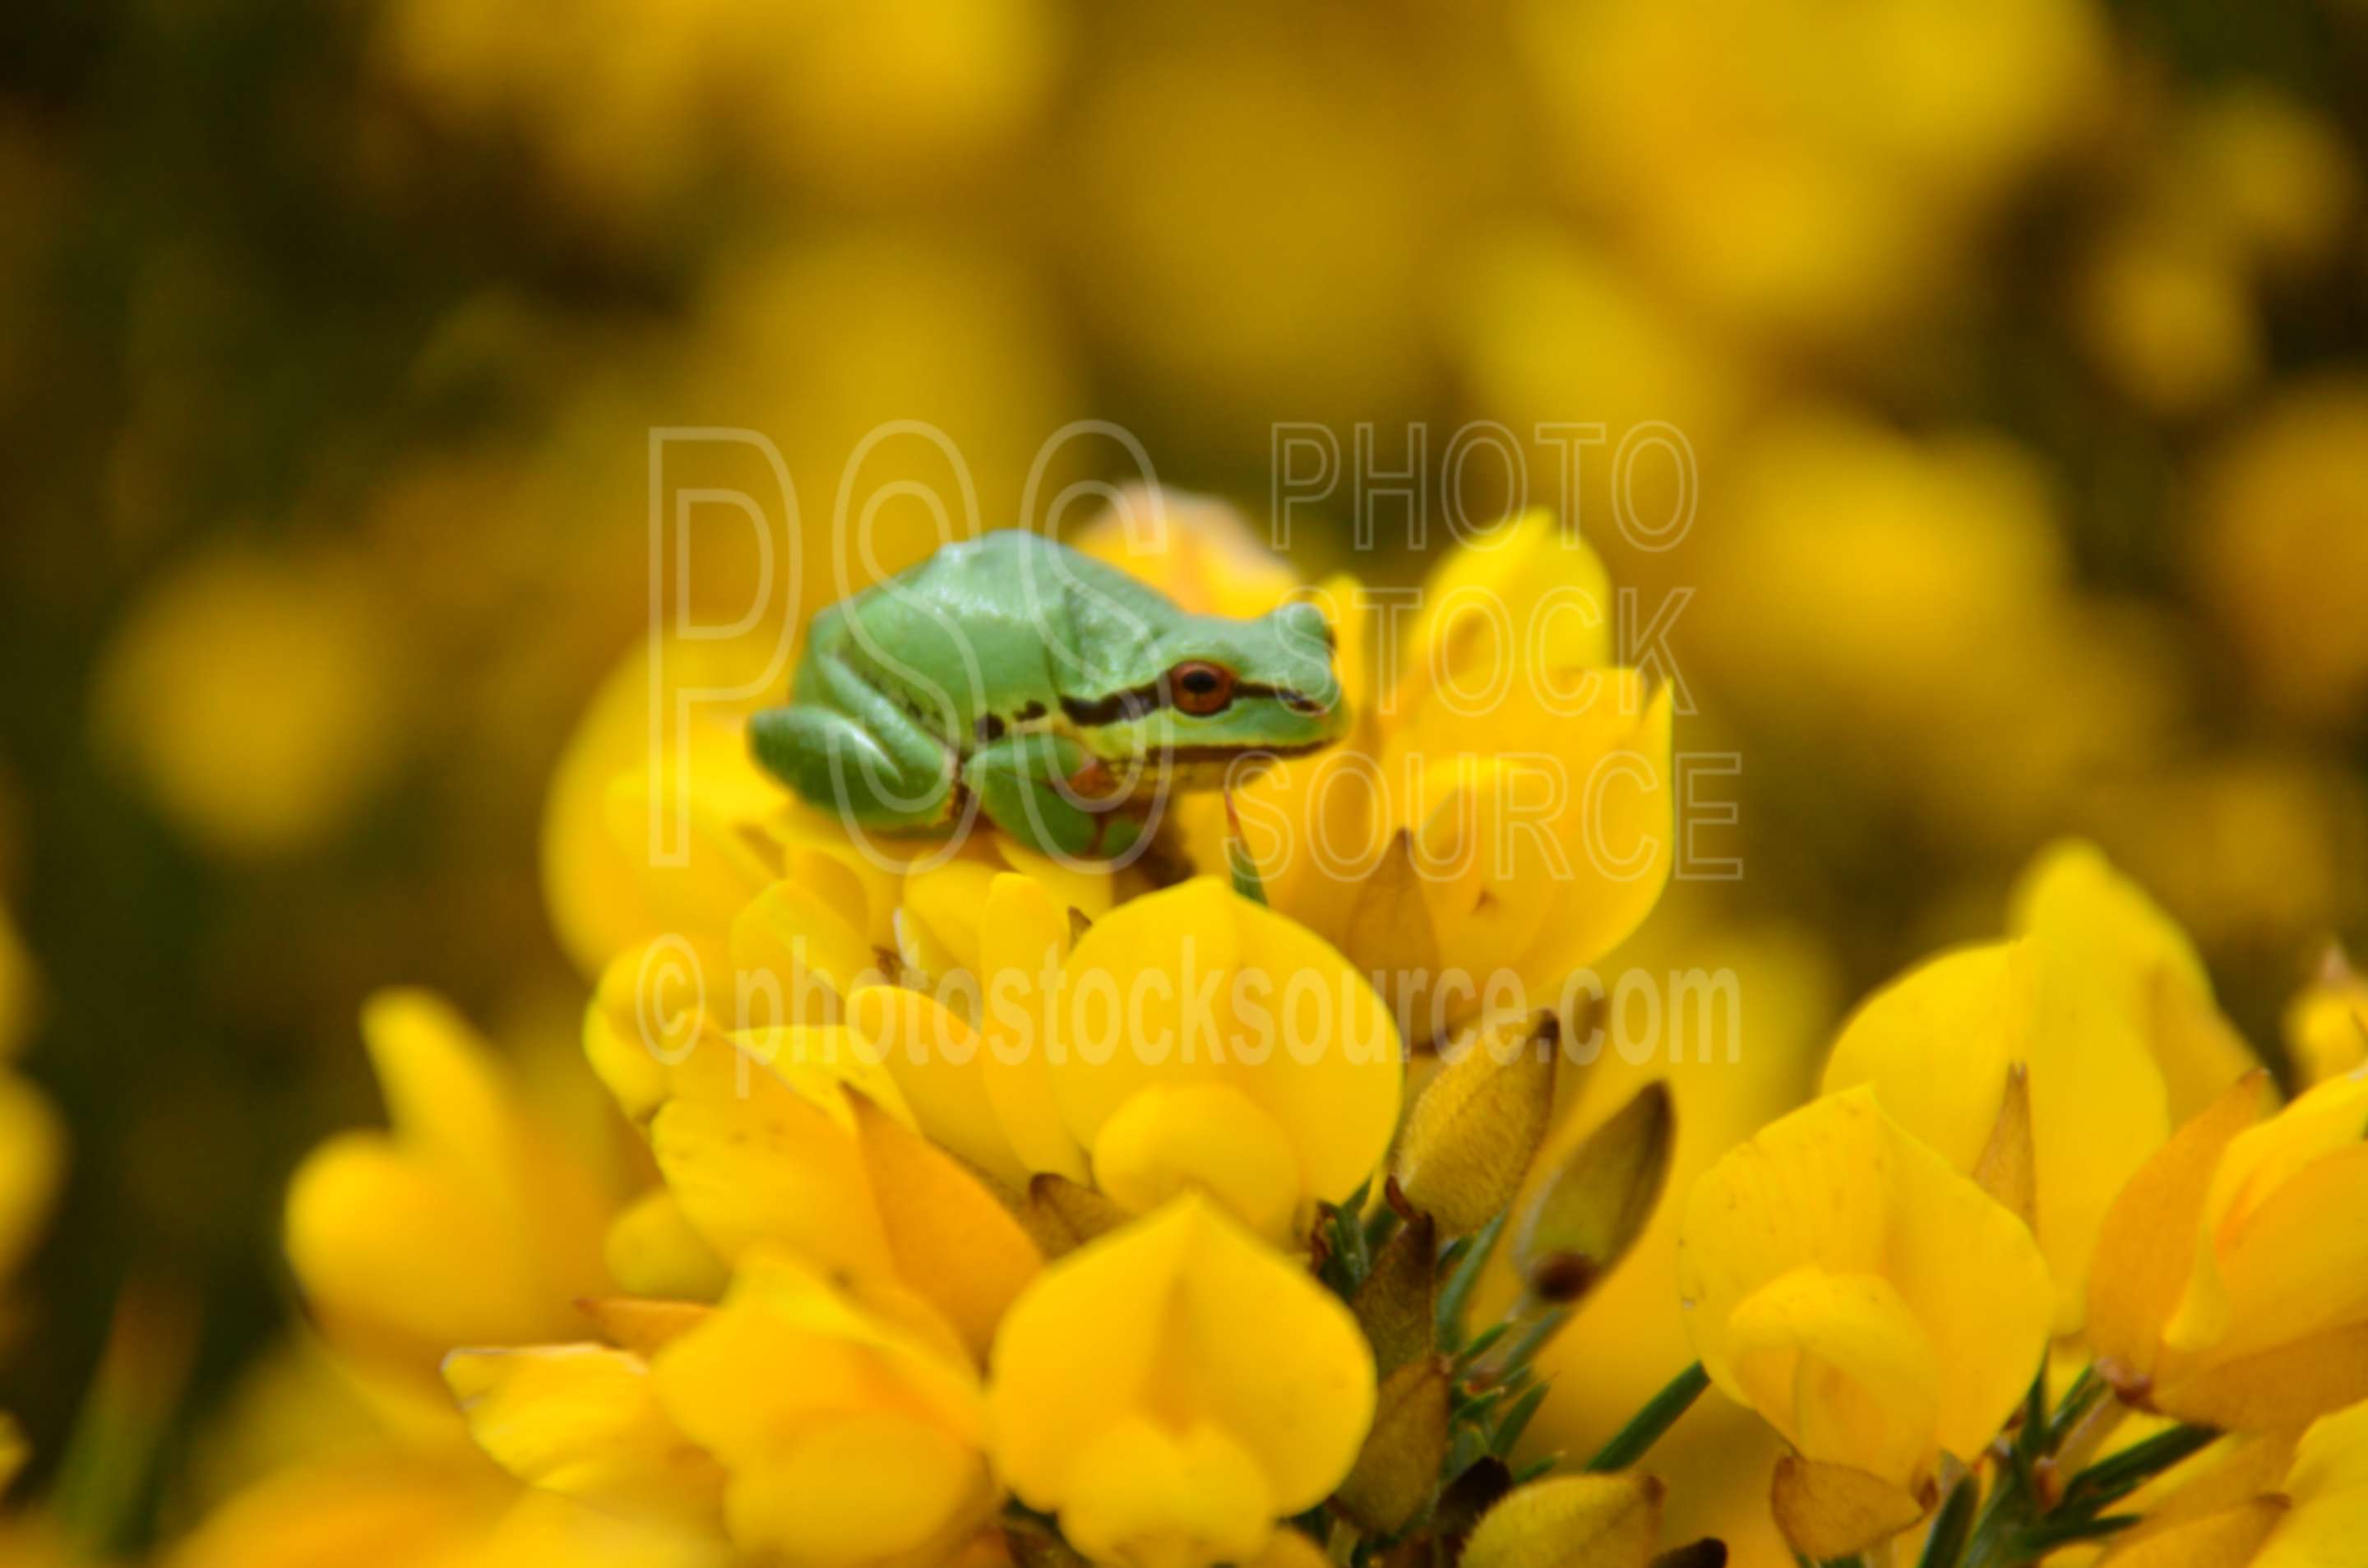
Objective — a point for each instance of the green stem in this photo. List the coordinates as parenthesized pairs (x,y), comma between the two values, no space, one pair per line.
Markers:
(1644,1429)
(1457,1292)
(1955,1524)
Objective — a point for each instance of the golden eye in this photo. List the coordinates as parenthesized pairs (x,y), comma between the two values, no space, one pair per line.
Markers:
(1200,688)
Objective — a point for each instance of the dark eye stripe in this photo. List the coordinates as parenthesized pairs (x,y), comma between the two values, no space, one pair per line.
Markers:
(1141,700)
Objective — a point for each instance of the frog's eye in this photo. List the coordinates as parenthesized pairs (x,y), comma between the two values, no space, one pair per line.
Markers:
(1200,688)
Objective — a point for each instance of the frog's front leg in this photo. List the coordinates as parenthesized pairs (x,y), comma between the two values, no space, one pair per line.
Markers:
(1018,783)
(846,748)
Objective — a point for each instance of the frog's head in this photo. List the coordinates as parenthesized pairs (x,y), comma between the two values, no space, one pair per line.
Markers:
(1205,694)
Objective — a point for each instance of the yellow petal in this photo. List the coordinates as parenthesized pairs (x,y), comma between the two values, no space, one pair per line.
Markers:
(2145,1251)
(641,1325)
(1544,821)
(1936,1043)
(584,1420)
(650,1007)
(1839,1365)
(1832,1510)
(1207,1137)
(1145,1324)
(652,1250)
(799,955)
(878,1484)
(604,893)
(403,1259)
(1023,946)
(848,1437)
(1604,1521)
(950,1242)
(1149,1495)
(2229,1538)
(1936,1046)
(751,1160)
(939,1063)
(441,1082)
(1527,593)
(1840,1186)
(1196,983)
(2261,1276)
(2074,902)
(944,904)
(2281,1386)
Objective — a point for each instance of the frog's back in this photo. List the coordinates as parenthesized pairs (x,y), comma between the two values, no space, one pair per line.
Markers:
(969,632)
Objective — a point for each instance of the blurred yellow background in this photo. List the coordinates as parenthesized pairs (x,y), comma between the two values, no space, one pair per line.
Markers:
(2018,346)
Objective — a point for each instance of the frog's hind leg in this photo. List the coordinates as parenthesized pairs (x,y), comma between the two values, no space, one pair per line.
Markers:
(1018,783)
(857,754)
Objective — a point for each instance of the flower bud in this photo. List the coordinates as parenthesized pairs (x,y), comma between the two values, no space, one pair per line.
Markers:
(1567,1521)
(1472,1135)
(1590,1211)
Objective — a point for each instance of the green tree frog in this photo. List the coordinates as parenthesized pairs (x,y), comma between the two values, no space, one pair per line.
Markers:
(1053,693)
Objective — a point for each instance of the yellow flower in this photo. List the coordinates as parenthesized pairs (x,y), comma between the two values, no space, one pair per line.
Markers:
(2223,1292)
(1533,778)
(2273,1502)
(253,700)
(848,1438)
(585,1421)
(1730,1067)
(798,1141)
(2103,1001)
(1506,817)
(468,1224)
(1501,812)
(1528,594)
(1175,1387)
(1541,830)
(1206,1043)
(613,806)
(1875,1307)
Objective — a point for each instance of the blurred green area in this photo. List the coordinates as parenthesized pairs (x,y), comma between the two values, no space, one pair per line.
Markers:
(2020,348)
